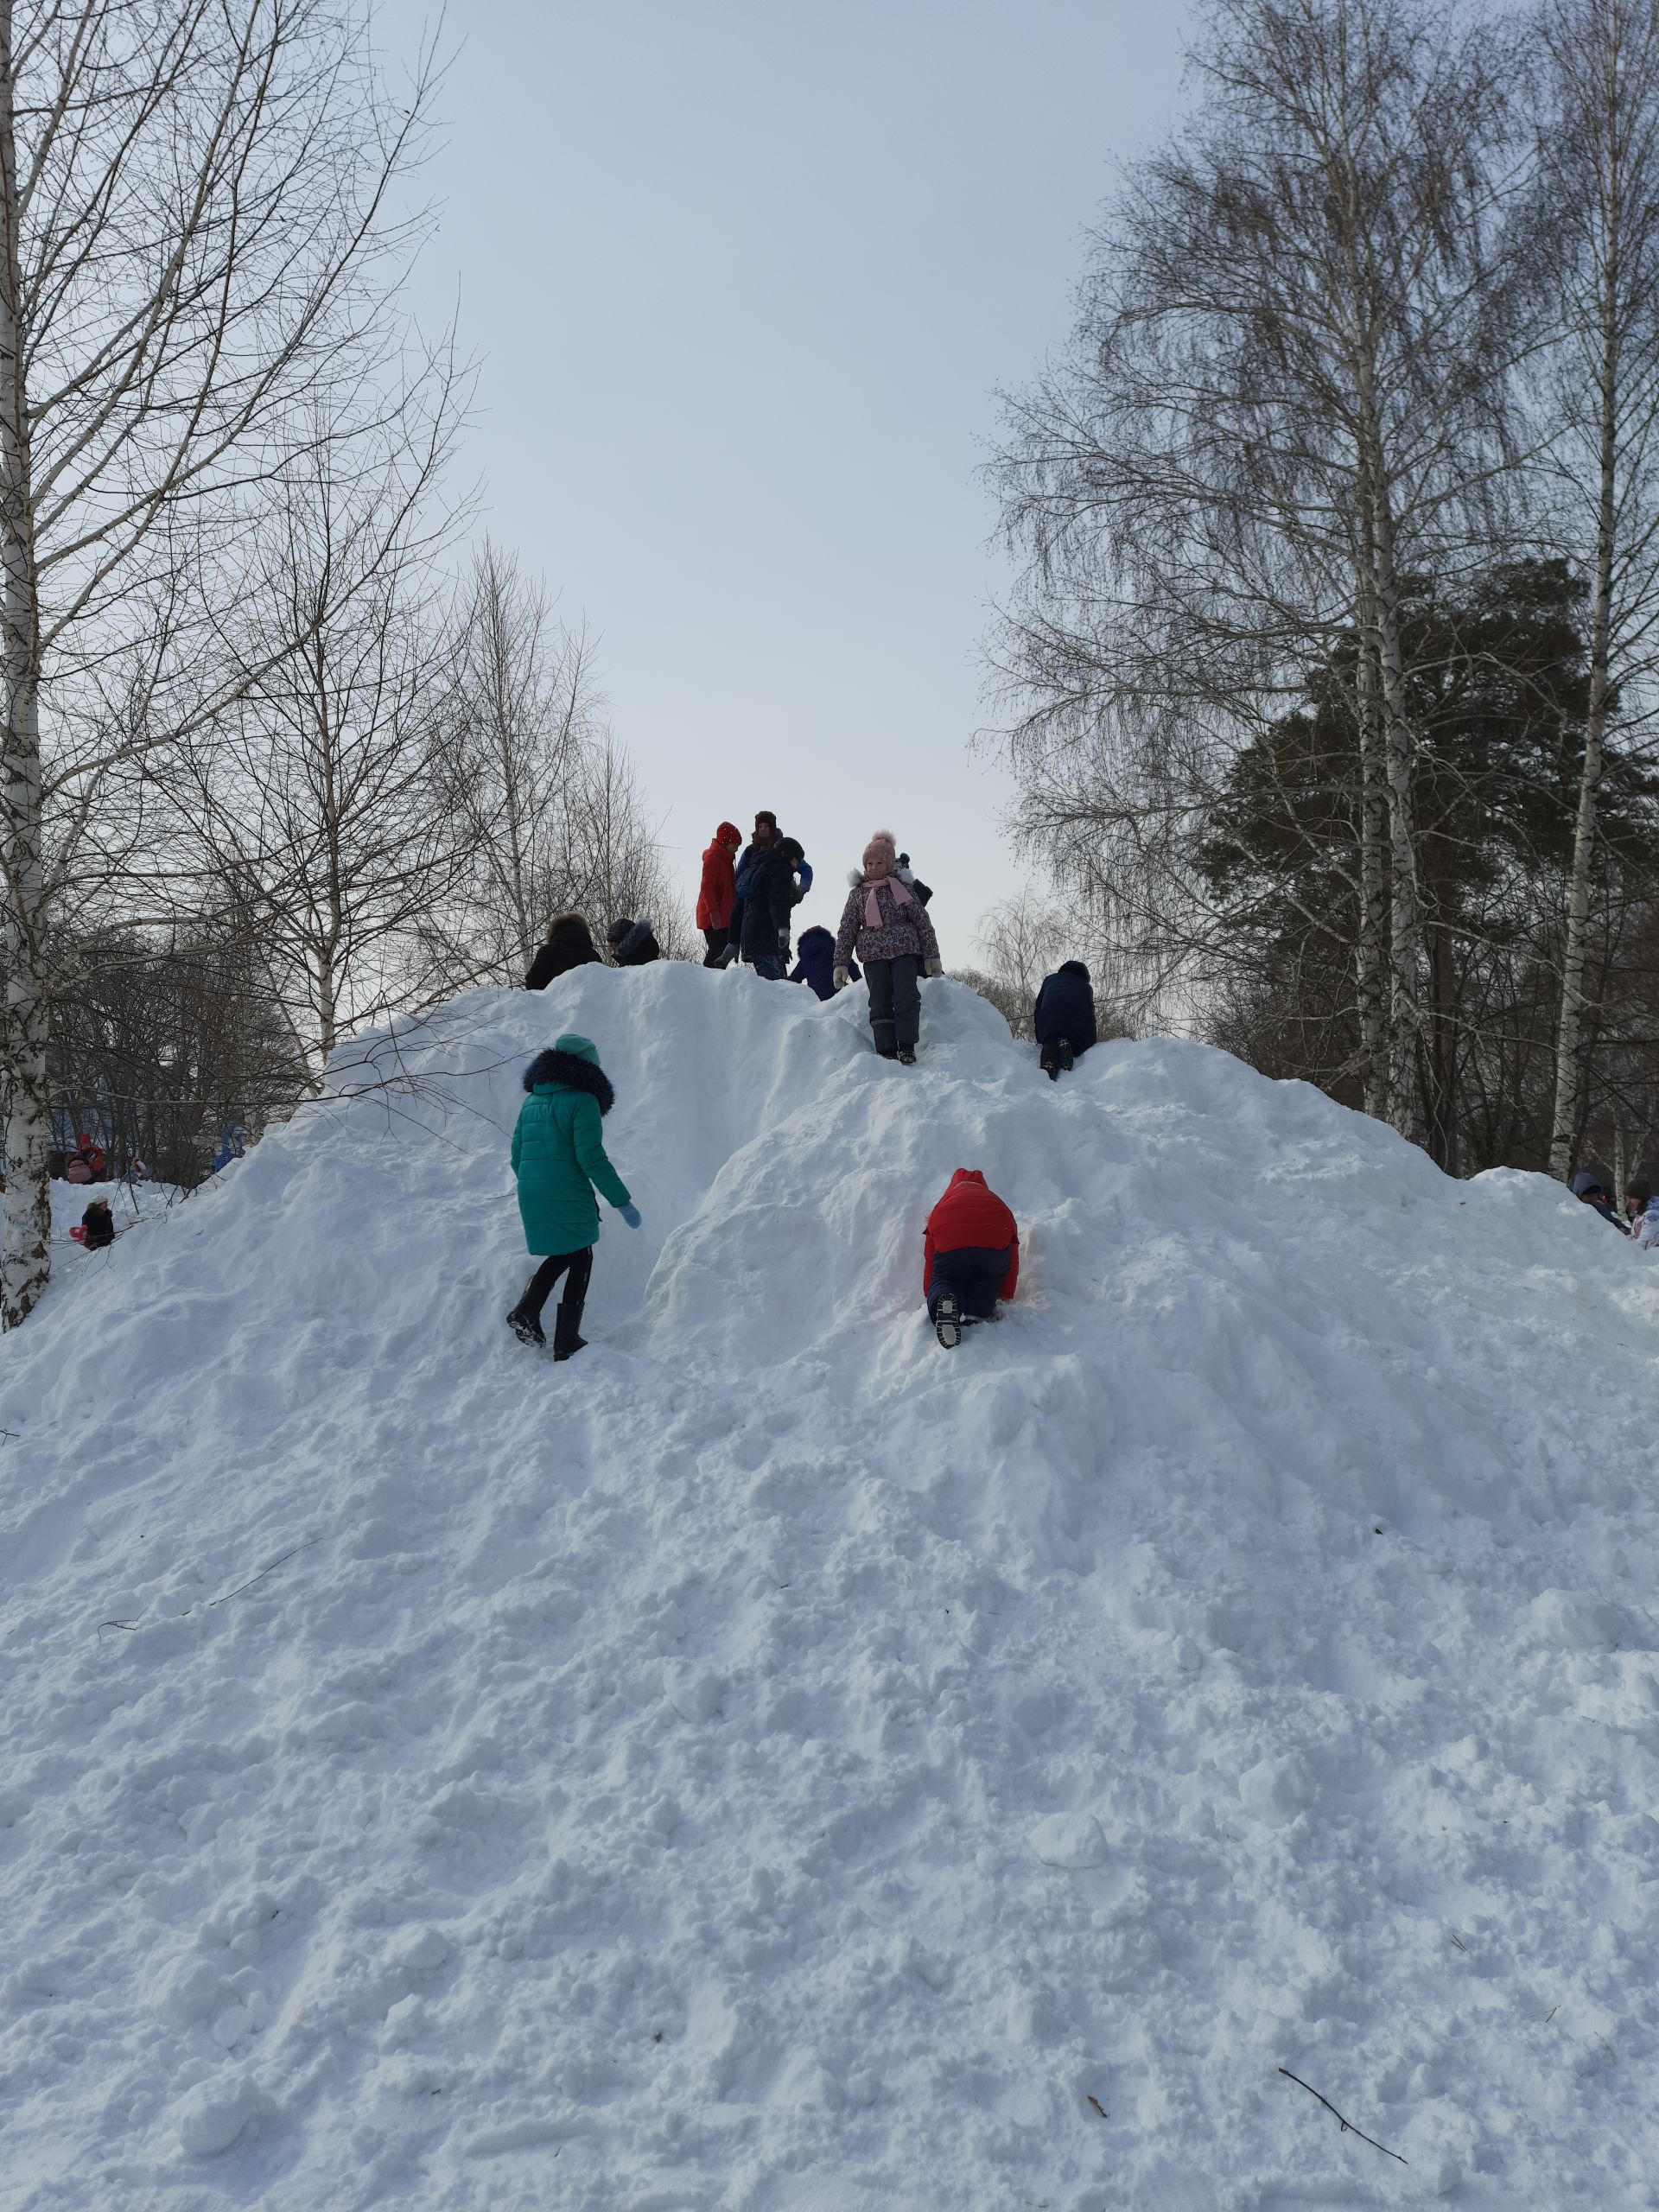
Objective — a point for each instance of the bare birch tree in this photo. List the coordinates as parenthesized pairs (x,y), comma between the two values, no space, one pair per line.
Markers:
(1284,398)
(198,233)
(314,795)
(1600,193)
(545,802)
(521,718)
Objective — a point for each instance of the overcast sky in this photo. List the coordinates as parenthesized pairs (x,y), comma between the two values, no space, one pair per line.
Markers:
(744,280)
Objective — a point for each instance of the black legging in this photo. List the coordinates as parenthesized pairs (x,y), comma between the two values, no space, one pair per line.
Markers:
(716,940)
(581,1264)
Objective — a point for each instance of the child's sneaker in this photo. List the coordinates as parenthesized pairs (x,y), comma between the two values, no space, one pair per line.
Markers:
(947,1320)
(525,1327)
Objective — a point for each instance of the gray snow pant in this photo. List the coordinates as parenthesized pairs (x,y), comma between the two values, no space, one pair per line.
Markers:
(895,1000)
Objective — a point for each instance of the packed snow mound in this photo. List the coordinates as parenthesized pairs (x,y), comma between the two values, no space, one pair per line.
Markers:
(773,1765)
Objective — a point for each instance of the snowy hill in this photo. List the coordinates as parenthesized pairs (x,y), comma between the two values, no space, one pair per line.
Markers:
(771,1766)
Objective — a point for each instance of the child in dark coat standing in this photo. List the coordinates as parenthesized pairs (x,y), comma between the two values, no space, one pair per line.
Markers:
(1063,1018)
(885,924)
(559,1159)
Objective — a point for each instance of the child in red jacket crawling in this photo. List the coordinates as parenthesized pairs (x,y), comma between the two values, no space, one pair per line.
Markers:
(971,1256)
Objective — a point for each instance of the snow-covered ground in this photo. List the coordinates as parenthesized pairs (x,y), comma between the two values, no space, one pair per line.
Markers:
(773,1765)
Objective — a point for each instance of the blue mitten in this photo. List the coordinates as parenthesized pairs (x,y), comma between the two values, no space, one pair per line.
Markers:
(629,1213)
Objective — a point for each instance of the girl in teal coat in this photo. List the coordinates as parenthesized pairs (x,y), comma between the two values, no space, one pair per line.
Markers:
(559,1156)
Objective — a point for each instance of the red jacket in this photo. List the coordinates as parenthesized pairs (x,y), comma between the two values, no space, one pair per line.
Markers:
(717,899)
(971,1213)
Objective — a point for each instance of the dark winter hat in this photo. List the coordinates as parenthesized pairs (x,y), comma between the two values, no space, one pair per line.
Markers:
(792,849)
(1074,967)
(619,929)
(766,816)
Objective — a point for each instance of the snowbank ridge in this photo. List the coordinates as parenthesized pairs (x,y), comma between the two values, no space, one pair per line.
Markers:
(770,1765)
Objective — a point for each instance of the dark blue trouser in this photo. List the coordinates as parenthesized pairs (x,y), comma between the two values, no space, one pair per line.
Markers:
(976,1272)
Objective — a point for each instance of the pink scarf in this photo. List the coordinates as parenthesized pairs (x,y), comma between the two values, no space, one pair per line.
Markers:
(901,894)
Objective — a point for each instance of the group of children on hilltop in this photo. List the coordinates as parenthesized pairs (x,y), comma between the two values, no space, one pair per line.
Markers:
(970,1257)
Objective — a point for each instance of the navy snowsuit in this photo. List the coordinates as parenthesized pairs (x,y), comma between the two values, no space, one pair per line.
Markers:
(817,957)
(1065,1008)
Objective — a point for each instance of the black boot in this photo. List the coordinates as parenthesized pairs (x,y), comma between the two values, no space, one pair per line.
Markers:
(525,1327)
(907,1056)
(947,1319)
(566,1324)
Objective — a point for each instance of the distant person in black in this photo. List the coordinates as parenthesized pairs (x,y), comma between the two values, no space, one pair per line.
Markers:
(568,946)
(632,943)
(1591,1190)
(1062,1019)
(771,895)
(96,1226)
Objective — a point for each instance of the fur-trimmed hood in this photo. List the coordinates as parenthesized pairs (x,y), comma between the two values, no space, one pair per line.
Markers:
(569,1068)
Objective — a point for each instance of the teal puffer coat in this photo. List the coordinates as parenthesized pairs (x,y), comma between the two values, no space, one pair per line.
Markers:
(558,1151)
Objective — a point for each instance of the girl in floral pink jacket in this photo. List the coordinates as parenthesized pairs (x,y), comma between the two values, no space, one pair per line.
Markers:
(886,926)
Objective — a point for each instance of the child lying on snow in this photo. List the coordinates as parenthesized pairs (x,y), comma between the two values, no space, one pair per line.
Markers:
(559,1158)
(971,1256)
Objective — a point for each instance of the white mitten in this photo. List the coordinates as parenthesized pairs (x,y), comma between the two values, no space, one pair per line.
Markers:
(838,978)
(936,967)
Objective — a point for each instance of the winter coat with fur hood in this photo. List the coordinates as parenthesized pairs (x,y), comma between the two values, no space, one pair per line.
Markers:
(902,931)
(568,946)
(558,1151)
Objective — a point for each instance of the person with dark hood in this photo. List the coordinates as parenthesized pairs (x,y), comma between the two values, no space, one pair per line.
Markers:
(632,943)
(1590,1188)
(971,1256)
(568,946)
(1063,1020)
(559,1160)
(908,875)
(815,963)
(717,896)
(770,894)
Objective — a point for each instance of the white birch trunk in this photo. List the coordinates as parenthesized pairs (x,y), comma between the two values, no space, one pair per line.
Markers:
(1569,1039)
(1369,956)
(27,1202)
(1405,918)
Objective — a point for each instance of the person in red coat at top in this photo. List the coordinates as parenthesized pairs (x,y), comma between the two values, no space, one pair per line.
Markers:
(971,1256)
(717,896)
